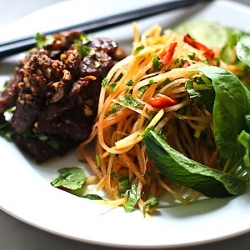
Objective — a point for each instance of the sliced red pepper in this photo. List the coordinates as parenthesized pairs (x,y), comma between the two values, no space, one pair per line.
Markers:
(207,52)
(167,55)
(161,101)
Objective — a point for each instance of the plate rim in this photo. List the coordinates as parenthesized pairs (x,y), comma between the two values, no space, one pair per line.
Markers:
(13,214)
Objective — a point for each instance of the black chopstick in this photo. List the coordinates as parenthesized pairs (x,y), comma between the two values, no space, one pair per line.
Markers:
(26,43)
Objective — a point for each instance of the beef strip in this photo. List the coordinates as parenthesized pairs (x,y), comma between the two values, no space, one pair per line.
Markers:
(55,90)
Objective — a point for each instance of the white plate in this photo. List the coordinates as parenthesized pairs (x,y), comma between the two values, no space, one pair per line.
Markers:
(25,187)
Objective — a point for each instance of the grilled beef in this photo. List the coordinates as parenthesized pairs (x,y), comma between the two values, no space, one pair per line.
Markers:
(55,91)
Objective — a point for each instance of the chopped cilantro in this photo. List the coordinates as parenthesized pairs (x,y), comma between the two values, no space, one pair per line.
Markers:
(124,184)
(42,41)
(138,49)
(119,78)
(129,101)
(92,197)
(179,62)
(43,137)
(11,110)
(164,83)
(132,200)
(156,63)
(70,178)
(104,81)
(150,204)
(151,81)
(191,55)
(130,83)
(114,109)
(83,49)
(112,86)
(141,91)
(190,89)
(113,174)
(53,143)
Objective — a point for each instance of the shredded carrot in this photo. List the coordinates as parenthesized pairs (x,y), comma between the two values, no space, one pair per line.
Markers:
(124,114)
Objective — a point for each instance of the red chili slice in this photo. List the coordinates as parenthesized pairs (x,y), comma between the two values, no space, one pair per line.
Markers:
(161,101)
(207,52)
(167,55)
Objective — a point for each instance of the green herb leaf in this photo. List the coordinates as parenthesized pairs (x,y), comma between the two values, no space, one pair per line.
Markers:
(84,39)
(93,197)
(187,172)
(112,86)
(191,55)
(229,120)
(42,41)
(130,83)
(190,89)
(132,200)
(70,178)
(243,49)
(124,185)
(138,49)
(114,109)
(83,49)
(104,81)
(129,101)
(113,174)
(150,204)
(6,130)
(157,66)
(53,143)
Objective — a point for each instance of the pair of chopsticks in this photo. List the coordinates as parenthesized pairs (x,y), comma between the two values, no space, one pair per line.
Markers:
(26,43)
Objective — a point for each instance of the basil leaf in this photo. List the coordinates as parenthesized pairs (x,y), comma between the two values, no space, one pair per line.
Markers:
(70,178)
(207,98)
(187,172)
(202,90)
(104,81)
(231,105)
(247,117)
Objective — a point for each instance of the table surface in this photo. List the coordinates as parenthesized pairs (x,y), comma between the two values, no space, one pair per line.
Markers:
(16,235)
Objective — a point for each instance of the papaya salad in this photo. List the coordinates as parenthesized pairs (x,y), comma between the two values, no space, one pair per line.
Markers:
(173,118)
